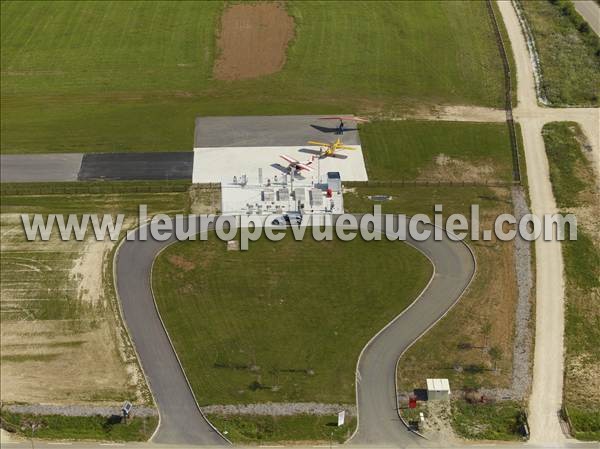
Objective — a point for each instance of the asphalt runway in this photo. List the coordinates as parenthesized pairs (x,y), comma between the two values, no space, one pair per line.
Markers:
(269,131)
(242,131)
(136,166)
(181,420)
(96,166)
(39,167)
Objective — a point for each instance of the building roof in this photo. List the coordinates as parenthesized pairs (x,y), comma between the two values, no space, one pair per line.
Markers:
(438,385)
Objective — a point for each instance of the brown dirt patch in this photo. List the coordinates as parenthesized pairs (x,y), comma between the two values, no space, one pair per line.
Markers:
(49,362)
(253,40)
(448,169)
(182,262)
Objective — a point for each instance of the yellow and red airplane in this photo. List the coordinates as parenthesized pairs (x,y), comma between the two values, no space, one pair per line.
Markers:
(331,148)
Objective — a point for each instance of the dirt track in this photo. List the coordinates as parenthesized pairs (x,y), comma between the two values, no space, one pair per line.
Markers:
(253,40)
(546,396)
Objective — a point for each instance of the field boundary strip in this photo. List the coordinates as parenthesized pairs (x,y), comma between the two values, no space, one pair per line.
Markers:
(508,94)
(100,187)
(426,183)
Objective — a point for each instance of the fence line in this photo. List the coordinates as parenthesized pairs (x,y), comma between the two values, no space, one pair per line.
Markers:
(83,188)
(426,183)
(514,143)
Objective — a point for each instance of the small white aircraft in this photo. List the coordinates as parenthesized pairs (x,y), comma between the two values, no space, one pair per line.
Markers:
(297,166)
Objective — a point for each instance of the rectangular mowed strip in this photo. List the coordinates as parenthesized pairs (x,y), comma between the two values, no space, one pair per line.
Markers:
(124,76)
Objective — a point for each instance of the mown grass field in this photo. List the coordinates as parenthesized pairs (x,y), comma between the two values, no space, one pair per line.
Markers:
(427,150)
(127,76)
(573,184)
(61,335)
(284,321)
(569,52)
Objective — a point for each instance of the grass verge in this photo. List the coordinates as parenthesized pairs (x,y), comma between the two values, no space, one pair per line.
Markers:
(569,52)
(490,421)
(573,184)
(244,429)
(570,172)
(58,427)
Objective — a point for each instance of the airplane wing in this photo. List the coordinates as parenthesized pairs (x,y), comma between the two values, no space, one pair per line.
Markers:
(289,159)
(321,144)
(344,117)
(342,147)
(304,167)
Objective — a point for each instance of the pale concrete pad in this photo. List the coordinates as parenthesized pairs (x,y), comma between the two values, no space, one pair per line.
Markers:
(266,130)
(218,164)
(40,167)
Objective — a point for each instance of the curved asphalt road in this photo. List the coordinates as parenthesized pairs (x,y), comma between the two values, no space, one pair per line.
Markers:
(181,421)
(378,420)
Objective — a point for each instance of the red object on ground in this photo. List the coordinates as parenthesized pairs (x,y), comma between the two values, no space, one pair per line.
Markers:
(412,402)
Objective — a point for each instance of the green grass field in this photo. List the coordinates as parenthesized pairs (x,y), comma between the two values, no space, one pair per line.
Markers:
(569,52)
(121,76)
(571,173)
(409,149)
(281,322)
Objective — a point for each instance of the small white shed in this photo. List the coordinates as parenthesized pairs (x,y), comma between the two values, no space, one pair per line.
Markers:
(438,389)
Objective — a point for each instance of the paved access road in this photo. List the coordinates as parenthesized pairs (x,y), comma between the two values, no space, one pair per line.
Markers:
(181,420)
(26,444)
(378,420)
(590,11)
